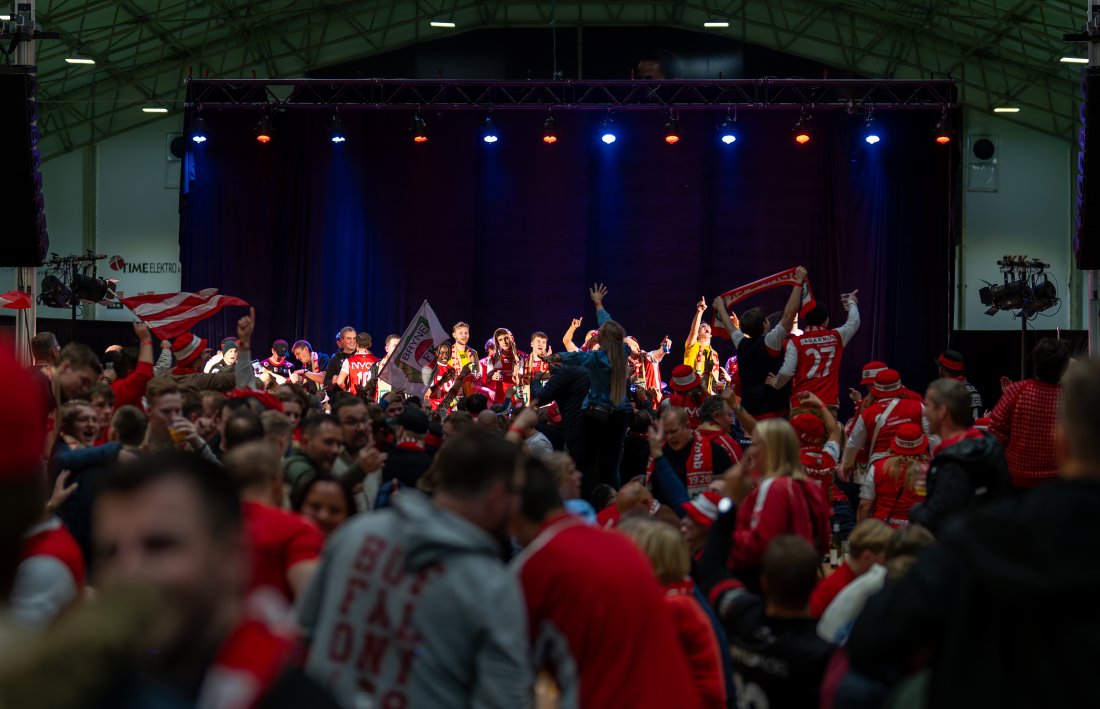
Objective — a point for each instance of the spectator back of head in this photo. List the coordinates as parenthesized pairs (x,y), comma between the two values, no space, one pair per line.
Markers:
(242,426)
(252,465)
(129,424)
(1050,359)
(1079,423)
(790,568)
(473,460)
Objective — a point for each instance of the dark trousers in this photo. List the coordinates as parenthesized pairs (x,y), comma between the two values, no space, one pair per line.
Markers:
(600,450)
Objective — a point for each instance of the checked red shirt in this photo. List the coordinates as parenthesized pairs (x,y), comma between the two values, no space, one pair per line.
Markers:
(1023,421)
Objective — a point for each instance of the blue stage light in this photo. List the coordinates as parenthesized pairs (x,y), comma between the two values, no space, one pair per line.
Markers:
(872,138)
(727,132)
(336,131)
(489,131)
(198,130)
(607,131)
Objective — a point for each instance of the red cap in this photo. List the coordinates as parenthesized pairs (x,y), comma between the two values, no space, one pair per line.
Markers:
(22,420)
(951,361)
(888,384)
(187,347)
(810,429)
(983,424)
(703,508)
(269,402)
(909,440)
(684,378)
(869,371)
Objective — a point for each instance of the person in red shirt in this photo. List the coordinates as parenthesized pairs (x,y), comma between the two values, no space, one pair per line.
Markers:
(580,582)
(668,554)
(866,547)
(358,368)
(687,392)
(876,427)
(285,546)
(1023,419)
(897,483)
(51,574)
(811,361)
(504,365)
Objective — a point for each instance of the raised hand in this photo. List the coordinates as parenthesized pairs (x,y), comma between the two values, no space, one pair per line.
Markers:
(575,323)
(702,304)
(61,491)
(800,274)
(245,327)
(809,399)
(597,292)
(852,297)
(142,331)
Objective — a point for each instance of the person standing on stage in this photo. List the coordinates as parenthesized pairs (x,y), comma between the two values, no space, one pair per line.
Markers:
(698,354)
(463,355)
(812,360)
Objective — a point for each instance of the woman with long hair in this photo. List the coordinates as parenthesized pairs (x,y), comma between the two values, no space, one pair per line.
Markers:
(606,409)
(895,484)
(785,501)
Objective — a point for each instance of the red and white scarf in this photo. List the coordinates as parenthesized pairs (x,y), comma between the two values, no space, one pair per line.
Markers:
(778,280)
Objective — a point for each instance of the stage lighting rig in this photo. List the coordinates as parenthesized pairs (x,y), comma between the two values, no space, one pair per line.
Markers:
(1025,287)
(72,280)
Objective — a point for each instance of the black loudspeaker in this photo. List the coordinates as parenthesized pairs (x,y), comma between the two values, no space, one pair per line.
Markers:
(24,239)
(1086,223)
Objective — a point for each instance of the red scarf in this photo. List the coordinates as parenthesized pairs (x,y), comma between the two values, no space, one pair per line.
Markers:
(783,278)
(247,665)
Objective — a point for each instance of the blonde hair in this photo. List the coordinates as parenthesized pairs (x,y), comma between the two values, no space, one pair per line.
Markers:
(663,544)
(909,465)
(869,535)
(781,444)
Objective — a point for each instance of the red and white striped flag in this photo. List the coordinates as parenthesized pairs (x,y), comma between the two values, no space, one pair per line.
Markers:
(169,315)
(15,300)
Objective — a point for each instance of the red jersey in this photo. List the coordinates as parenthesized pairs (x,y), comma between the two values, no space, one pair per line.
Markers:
(892,496)
(829,588)
(51,538)
(876,427)
(279,540)
(818,370)
(359,369)
(576,579)
(779,505)
(689,403)
(699,643)
(506,363)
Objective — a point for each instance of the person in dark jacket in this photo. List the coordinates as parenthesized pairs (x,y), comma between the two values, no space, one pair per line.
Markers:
(407,459)
(968,467)
(1002,607)
(568,385)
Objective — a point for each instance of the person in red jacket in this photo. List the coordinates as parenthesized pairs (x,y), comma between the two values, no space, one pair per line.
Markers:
(285,546)
(668,554)
(895,484)
(130,389)
(866,547)
(785,502)
(51,574)
(1023,419)
(596,617)
(876,427)
(188,350)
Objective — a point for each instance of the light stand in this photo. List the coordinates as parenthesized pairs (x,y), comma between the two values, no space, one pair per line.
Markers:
(1025,290)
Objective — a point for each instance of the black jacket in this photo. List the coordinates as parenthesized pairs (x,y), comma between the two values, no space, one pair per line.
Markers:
(405,465)
(568,386)
(964,475)
(1005,601)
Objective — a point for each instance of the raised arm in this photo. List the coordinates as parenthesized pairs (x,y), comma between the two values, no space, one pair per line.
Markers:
(598,292)
(728,320)
(693,335)
(793,302)
(568,339)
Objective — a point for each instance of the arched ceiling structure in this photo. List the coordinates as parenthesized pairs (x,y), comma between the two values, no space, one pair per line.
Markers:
(999,52)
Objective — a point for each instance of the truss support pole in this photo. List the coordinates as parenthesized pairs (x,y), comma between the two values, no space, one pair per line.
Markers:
(27,276)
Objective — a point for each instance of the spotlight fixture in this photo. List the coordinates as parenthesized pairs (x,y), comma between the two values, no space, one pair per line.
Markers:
(54,293)
(607,131)
(870,135)
(942,131)
(489,130)
(198,130)
(336,130)
(90,288)
(264,129)
(672,131)
(802,130)
(550,131)
(1026,288)
(727,131)
(419,130)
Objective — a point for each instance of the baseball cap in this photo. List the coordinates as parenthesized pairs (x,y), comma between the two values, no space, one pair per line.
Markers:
(413,420)
(279,347)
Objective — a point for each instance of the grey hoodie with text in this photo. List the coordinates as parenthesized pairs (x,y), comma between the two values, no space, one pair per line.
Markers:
(412,607)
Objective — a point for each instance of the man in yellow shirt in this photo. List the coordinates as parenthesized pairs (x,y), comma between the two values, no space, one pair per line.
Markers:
(698,354)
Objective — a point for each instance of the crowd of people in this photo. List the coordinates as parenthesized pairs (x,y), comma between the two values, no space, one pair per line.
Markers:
(591,525)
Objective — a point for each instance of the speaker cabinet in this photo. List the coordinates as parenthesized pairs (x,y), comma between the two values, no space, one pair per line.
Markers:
(24,239)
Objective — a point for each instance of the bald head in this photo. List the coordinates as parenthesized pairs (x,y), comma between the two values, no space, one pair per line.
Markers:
(634,497)
(488,420)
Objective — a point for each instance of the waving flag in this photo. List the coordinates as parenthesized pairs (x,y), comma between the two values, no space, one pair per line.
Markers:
(15,300)
(412,364)
(170,315)
(783,278)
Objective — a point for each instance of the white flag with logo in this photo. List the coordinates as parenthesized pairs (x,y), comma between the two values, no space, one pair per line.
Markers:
(412,364)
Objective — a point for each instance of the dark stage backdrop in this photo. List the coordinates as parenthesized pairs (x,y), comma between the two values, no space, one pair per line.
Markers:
(318,235)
